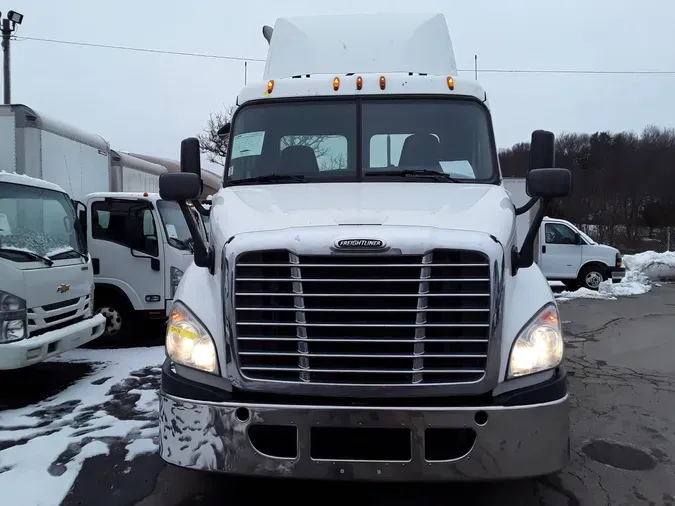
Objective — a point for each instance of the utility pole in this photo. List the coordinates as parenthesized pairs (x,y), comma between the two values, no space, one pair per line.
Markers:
(8,27)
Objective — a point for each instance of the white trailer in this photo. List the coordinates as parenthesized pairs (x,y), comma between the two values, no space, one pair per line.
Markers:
(562,251)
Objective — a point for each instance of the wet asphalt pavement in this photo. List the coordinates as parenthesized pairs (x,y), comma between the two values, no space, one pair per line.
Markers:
(620,356)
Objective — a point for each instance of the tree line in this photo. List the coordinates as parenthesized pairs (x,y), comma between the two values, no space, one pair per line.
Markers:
(623,184)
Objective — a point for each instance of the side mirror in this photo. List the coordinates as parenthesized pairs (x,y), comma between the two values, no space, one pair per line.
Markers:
(190,156)
(224,130)
(180,186)
(548,183)
(542,149)
(577,239)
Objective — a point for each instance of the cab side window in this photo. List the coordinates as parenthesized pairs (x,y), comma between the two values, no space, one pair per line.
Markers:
(559,234)
(126,223)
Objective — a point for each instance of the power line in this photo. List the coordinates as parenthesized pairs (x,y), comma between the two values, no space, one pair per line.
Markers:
(245,59)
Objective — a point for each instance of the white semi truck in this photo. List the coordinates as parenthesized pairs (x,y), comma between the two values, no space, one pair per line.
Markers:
(357,314)
(138,244)
(562,251)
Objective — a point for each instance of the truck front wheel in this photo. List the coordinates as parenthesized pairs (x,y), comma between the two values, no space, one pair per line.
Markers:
(591,276)
(119,317)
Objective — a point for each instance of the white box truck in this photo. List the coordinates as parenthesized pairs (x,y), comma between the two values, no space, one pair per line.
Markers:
(136,264)
(355,315)
(562,251)
(46,279)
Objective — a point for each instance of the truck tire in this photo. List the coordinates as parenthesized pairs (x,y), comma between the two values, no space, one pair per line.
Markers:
(571,284)
(591,276)
(119,315)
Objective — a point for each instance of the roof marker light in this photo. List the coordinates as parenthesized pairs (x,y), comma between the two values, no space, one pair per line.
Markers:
(451,83)
(270,86)
(336,83)
(359,83)
(383,82)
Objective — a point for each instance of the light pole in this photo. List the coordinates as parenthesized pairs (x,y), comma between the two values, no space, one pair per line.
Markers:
(8,27)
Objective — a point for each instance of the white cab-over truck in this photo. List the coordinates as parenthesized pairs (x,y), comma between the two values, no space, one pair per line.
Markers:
(138,244)
(356,312)
(562,251)
(46,279)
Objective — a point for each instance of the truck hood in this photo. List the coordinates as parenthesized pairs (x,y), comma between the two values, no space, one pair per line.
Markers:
(40,285)
(451,206)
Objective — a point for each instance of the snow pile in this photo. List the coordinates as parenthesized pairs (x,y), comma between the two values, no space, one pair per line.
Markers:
(642,270)
(43,446)
(656,266)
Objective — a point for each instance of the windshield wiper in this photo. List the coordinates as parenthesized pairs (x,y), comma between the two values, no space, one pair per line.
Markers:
(186,245)
(69,250)
(30,254)
(268,178)
(433,174)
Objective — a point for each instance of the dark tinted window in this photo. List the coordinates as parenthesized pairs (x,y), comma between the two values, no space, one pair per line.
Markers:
(452,136)
(557,233)
(128,223)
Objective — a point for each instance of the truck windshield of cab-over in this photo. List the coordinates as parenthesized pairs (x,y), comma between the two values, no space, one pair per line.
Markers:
(37,221)
(357,140)
(175,226)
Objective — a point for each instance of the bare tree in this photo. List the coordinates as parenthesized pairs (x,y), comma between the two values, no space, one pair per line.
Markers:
(211,143)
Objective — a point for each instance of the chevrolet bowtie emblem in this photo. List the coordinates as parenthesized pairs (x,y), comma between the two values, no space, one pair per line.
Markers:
(63,288)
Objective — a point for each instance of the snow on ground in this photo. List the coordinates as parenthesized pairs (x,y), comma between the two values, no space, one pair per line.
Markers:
(642,271)
(43,446)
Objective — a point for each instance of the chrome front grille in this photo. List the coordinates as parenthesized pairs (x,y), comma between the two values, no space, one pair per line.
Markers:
(363,319)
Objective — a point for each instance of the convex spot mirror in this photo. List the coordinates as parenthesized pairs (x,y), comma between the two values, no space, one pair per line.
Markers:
(180,186)
(547,183)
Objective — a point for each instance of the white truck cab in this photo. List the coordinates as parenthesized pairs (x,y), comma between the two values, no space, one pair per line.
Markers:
(140,247)
(356,312)
(46,279)
(569,255)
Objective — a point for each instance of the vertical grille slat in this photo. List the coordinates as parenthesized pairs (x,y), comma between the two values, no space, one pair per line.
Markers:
(363,319)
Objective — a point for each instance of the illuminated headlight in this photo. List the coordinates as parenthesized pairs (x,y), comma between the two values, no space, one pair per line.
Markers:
(176,276)
(539,346)
(187,341)
(13,326)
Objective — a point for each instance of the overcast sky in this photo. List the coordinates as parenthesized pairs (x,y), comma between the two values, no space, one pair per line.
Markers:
(147,103)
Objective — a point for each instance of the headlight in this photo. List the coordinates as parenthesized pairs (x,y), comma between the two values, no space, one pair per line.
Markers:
(13,325)
(176,276)
(539,346)
(187,341)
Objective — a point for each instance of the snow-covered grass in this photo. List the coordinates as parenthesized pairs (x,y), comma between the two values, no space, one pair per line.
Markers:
(43,446)
(642,271)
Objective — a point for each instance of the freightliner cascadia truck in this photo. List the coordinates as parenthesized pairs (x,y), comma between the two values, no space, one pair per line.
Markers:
(363,308)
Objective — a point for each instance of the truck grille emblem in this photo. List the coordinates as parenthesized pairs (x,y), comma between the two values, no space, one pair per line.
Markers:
(63,288)
(360,244)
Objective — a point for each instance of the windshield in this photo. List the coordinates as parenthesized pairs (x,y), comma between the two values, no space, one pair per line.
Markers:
(175,226)
(39,221)
(319,140)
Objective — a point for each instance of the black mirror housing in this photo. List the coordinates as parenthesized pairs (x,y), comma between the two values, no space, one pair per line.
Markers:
(180,186)
(542,149)
(190,156)
(224,130)
(547,183)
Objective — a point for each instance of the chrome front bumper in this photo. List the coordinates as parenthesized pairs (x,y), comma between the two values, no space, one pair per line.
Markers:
(514,441)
